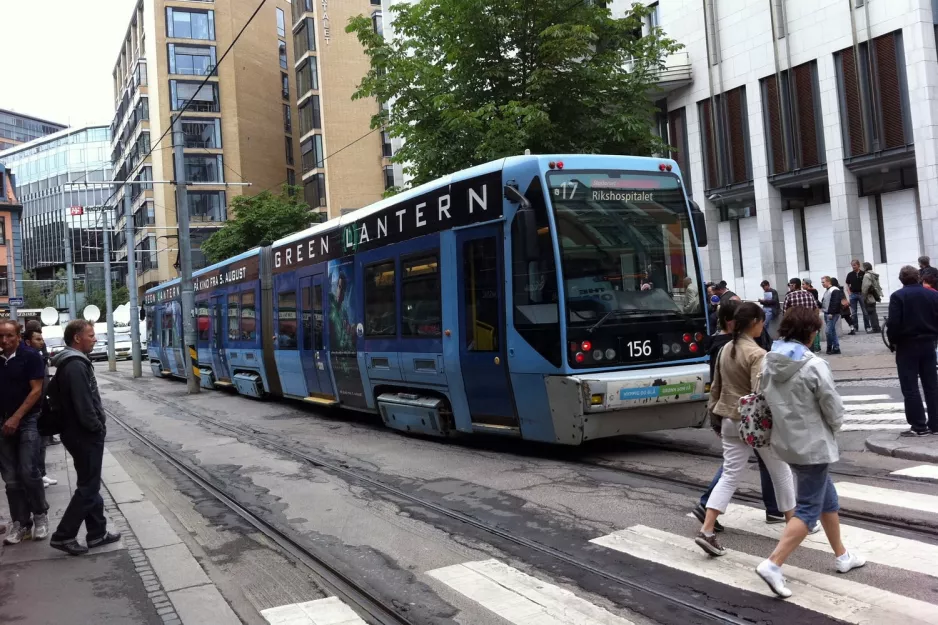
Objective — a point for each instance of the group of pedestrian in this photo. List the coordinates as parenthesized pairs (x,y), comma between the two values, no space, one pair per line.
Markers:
(73,394)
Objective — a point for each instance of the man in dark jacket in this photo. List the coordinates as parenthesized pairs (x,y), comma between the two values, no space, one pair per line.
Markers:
(912,331)
(925,268)
(75,391)
(855,295)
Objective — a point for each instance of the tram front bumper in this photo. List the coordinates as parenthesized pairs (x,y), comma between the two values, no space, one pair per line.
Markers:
(587,406)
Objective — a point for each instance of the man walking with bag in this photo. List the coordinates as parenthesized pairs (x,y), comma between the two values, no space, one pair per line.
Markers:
(872,294)
(73,394)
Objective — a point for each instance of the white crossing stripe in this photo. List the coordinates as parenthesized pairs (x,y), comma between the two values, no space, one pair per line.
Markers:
(836,597)
(330,611)
(903,553)
(876,407)
(521,599)
(863,427)
(849,398)
(883,416)
(888,496)
(928,471)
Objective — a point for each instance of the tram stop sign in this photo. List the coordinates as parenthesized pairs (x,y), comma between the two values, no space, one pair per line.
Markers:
(16,302)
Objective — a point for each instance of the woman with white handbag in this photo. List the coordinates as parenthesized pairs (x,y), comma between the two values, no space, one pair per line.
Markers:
(806,414)
(736,376)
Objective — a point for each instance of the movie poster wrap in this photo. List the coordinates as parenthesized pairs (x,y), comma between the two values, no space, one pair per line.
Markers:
(344,333)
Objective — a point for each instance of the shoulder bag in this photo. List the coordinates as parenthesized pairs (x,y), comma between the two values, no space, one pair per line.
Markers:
(755,418)
(715,420)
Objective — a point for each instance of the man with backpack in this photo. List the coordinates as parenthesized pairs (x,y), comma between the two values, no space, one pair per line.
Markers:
(74,406)
(872,294)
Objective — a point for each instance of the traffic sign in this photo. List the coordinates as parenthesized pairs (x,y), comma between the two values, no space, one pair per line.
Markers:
(77,211)
(16,301)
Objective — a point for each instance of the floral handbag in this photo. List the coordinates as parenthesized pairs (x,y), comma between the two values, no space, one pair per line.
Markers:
(755,423)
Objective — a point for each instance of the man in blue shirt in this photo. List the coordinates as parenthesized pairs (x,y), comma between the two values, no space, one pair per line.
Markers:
(912,332)
(21,376)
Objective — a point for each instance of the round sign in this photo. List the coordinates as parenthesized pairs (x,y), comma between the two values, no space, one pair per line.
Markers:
(91,313)
(122,314)
(49,316)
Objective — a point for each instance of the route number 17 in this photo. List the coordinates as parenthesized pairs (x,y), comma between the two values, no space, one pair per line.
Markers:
(568,186)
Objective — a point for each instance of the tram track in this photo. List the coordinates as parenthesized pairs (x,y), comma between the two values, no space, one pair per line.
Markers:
(677,605)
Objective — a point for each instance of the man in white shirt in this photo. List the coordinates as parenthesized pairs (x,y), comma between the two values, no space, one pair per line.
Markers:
(691,302)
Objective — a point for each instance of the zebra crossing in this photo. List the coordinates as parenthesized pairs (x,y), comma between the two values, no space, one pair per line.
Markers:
(873,413)
(533,598)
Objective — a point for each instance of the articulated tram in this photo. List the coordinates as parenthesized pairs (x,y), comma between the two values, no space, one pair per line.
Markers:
(550,298)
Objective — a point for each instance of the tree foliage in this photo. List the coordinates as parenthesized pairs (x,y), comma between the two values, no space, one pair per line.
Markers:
(98,296)
(33,296)
(475,80)
(259,220)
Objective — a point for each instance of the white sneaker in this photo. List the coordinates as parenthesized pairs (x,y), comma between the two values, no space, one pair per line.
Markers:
(17,534)
(849,561)
(771,574)
(40,526)
(48,481)
(815,528)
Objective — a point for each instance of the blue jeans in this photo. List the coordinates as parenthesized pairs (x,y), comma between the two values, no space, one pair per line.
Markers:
(856,301)
(814,492)
(831,331)
(19,468)
(768,491)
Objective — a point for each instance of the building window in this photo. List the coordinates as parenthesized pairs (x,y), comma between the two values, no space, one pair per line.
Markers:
(281,23)
(725,139)
(144,216)
(201,133)
(284,86)
(420,298)
(312,153)
(287,118)
(653,19)
(187,24)
(307,76)
(204,168)
(376,3)
(299,7)
(792,118)
(207,206)
(380,300)
(291,177)
(388,176)
(304,38)
(288,146)
(310,115)
(874,96)
(3,221)
(314,191)
(377,22)
(203,100)
(386,144)
(191,60)
(282,51)
(677,138)
(4,282)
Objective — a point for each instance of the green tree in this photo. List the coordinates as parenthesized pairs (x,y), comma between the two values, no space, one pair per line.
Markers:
(259,220)
(98,297)
(476,80)
(32,293)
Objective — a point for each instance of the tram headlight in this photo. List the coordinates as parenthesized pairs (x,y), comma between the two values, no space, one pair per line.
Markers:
(676,348)
(597,354)
(610,354)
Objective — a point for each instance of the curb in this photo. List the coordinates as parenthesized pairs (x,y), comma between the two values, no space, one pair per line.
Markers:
(895,449)
(896,379)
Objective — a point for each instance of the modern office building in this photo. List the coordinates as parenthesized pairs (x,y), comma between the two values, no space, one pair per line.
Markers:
(807,133)
(16,128)
(343,166)
(11,246)
(62,184)
(234,131)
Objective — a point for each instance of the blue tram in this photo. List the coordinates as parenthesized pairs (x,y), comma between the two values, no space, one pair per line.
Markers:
(548,298)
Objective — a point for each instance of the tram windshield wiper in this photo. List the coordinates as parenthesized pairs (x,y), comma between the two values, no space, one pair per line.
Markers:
(636,312)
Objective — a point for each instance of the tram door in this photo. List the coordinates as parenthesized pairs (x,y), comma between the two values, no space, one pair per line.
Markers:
(217,340)
(313,352)
(482,327)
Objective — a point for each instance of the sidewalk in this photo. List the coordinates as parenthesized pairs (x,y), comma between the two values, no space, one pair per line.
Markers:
(923,449)
(863,357)
(149,576)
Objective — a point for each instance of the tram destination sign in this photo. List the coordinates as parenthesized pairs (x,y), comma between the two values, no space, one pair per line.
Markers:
(462,203)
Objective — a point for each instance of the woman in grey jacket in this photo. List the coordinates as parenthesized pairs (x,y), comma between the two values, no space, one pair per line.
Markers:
(806,414)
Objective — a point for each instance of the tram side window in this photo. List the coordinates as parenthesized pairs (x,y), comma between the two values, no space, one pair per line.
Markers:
(480,284)
(307,302)
(151,326)
(248,316)
(166,325)
(421,314)
(216,323)
(203,320)
(534,280)
(233,333)
(380,300)
(318,343)
(286,320)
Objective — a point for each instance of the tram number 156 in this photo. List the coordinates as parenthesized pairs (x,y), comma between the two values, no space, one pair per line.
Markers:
(638,349)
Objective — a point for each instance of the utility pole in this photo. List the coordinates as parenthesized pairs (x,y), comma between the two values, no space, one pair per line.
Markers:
(132,283)
(108,302)
(185,263)
(70,272)
(11,279)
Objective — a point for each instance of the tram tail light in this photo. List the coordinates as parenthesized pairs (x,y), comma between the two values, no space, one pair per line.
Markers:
(694,348)
(687,337)
(580,357)
(586,346)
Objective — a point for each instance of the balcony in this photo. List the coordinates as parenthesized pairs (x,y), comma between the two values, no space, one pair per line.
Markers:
(676,73)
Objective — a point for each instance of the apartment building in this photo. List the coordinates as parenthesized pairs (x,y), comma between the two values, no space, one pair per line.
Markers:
(235,129)
(343,165)
(16,128)
(807,133)
(11,246)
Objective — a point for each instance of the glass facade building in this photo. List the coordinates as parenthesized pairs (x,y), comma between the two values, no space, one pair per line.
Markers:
(53,174)
(16,128)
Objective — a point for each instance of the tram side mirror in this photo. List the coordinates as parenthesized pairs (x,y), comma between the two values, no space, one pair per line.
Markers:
(527,224)
(700,224)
